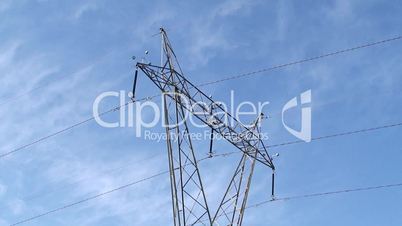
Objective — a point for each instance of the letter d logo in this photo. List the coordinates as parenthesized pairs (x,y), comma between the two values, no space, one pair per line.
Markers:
(305,133)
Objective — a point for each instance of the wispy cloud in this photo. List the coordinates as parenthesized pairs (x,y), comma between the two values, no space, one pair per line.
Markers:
(88,179)
(76,165)
(5,5)
(208,36)
(84,8)
(3,189)
(16,206)
(228,8)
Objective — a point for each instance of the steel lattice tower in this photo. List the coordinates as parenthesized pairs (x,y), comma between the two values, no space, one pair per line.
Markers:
(181,97)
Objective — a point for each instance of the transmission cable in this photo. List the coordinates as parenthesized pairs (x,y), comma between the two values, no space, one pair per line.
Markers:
(320,194)
(303,60)
(2,155)
(37,195)
(251,206)
(386,126)
(346,133)
(112,190)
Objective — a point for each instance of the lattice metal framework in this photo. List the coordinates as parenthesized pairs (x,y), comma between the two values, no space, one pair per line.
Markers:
(181,97)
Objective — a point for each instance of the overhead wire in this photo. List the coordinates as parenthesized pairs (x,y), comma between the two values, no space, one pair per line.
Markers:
(303,60)
(345,133)
(89,198)
(4,154)
(110,191)
(327,193)
(319,194)
(217,155)
(230,153)
(310,195)
(35,195)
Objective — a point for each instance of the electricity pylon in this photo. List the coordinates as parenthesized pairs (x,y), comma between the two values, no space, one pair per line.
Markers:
(237,192)
(180,98)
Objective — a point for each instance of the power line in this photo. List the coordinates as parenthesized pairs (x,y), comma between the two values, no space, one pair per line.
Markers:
(89,198)
(261,70)
(111,170)
(216,155)
(277,145)
(284,144)
(311,195)
(303,60)
(329,193)
(339,134)
(230,153)
(42,193)
(110,191)
(386,126)
(9,99)
(251,206)
(20,148)
(227,154)
(2,155)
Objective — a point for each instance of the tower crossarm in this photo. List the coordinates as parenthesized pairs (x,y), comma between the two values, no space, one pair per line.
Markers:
(211,113)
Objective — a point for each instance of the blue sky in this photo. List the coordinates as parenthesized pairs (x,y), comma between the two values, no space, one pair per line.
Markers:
(57,57)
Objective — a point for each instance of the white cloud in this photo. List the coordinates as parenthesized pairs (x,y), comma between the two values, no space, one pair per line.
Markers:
(231,7)
(88,177)
(8,52)
(208,36)
(206,41)
(151,22)
(17,206)
(3,222)
(84,8)
(3,189)
(342,9)
(5,5)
